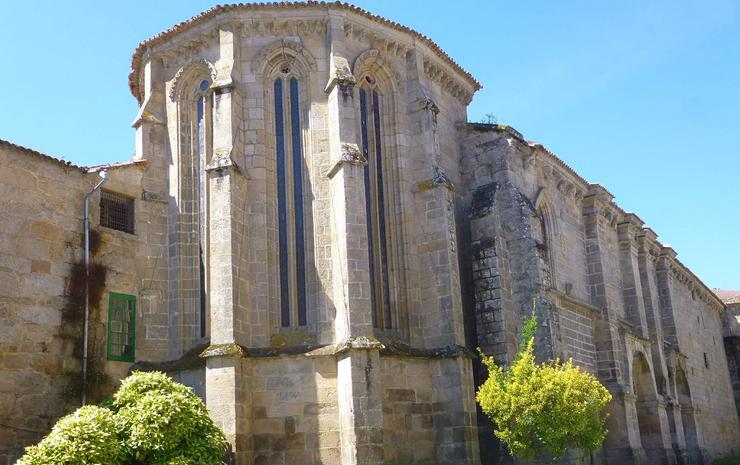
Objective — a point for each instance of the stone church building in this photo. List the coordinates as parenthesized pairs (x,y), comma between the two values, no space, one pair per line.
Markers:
(313,236)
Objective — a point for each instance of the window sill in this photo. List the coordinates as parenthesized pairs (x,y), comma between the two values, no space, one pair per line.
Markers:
(116,232)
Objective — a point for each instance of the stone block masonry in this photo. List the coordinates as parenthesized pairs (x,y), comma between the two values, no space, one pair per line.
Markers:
(320,245)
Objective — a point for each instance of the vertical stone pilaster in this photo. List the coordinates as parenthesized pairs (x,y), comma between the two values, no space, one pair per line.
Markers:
(631,282)
(441,302)
(229,400)
(351,278)
(623,442)
(665,300)
(227,325)
(454,412)
(607,337)
(359,390)
(359,396)
(151,145)
(227,371)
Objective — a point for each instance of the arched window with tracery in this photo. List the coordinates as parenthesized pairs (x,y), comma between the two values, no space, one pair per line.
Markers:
(372,137)
(194,97)
(288,142)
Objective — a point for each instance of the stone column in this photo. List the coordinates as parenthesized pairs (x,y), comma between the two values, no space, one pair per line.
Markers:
(227,370)
(359,390)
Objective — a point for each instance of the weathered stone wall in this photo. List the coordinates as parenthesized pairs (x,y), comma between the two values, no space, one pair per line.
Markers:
(542,237)
(41,248)
(731,332)
(483,229)
(294,410)
(699,336)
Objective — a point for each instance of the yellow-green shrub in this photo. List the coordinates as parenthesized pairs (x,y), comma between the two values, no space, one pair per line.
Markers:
(151,420)
(542,409)
(86,436)
(163,422)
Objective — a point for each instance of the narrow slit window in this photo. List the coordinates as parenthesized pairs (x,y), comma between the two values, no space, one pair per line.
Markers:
(117,211)
(201,211)
(289,161)
(121,327)
(377,233)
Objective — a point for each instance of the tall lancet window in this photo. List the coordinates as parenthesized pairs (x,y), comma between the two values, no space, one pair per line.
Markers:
(289,158)
(377,234)
(202,108)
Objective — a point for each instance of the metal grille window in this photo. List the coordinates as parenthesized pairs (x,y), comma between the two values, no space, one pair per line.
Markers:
(121,327)
(117,211)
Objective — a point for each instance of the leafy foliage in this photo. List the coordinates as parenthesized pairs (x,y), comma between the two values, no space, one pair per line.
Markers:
(151,420)
(541,410)
(85,436)
(163,422)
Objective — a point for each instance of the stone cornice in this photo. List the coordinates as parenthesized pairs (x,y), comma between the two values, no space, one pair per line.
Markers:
(298,25)
(387,348)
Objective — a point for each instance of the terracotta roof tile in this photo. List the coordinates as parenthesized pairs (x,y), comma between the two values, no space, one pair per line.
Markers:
(37,154)
(727,296)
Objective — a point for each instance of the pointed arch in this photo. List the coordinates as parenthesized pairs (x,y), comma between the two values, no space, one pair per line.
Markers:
(545,232)
(377,106)
(371,62)
(280,53)
(286,68)
(191,90)
(186,75)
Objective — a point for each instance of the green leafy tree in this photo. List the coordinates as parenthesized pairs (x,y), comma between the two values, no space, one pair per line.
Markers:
(541,410)
(151,420)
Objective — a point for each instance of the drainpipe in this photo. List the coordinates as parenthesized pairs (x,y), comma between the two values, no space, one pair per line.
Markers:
(86,226)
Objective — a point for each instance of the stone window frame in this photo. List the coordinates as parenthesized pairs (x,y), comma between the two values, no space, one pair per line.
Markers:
(287,61)
(373,72)
(193,182)
(113,299)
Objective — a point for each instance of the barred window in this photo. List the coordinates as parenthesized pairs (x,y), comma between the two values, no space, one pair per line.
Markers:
(121,327)
(117,211)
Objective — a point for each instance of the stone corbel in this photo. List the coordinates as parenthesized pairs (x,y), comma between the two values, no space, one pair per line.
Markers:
(428,104)
(440,179)
(341,77)
(221,161)
(223,350)
(351,155)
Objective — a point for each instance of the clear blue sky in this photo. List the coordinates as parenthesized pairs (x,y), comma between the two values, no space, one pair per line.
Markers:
(642,97)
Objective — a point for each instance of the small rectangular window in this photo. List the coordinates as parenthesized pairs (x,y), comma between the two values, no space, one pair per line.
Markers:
(117,211)
(121,327)
(706,360)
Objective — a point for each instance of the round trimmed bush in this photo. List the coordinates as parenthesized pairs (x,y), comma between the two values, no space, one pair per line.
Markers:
(163,422)
(87,436)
